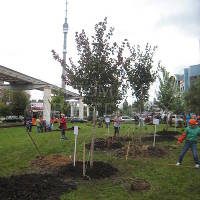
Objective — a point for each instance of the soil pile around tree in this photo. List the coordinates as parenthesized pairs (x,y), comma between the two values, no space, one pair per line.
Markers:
(102,144)
(137,151)
(139,185)
(123,138)
(168,132)
(134,184)
(33,186)
(99,170)
(50,162)
(159,138)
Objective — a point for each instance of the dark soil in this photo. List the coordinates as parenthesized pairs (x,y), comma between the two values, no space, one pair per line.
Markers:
(134,184)
(139,185)
(48,163)
(168,133)
(155,151)
(124,138)
(102,144)
(160,138)
(62,166)
(137,151)
(33,187)
(98,171)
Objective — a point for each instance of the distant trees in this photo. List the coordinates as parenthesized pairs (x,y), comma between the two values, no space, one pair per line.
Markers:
(19,102)
(4,109)
(13,102)
(58,103)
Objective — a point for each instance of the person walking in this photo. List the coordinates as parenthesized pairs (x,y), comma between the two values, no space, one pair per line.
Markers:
(51,123)
(191,134)
(117,121)
(38,125)
(63,126)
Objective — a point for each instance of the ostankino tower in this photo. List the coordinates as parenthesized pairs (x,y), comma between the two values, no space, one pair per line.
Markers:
(65,31)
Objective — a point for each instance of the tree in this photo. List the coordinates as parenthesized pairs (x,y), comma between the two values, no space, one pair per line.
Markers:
(140,73)
(19,102)
(167,92)
(5,96)
(178,105)
(98,74)
(192,97)
(135,106)
(126,109)
(4,109)
(58,103)
(15,102)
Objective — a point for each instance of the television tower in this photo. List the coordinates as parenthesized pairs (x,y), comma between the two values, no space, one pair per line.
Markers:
(65,31)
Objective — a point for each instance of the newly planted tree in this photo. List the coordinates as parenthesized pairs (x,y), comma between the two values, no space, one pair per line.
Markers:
(140,74)
(98,73)
(167,94)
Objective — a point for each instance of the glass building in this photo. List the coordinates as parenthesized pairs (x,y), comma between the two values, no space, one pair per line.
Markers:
(190,74)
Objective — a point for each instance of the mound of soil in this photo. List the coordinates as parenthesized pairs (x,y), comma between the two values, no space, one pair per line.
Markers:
(134,184)
(168,132)
(123,138)
(155,151)
(33,186)
(50,162)
(102,144)
(160,138)
(141,151)
(139,185)
(98,171)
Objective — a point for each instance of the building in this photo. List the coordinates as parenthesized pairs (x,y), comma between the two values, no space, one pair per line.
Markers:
(180,81)
(184,81)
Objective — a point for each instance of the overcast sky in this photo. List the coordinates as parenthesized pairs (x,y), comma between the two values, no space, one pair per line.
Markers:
(30,29)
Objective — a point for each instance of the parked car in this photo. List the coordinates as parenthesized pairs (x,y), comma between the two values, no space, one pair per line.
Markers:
(127,119)
(13,118)
(76,119)
(179,119)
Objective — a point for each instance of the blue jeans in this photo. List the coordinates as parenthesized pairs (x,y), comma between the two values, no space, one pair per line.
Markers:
(193,147)
(38,129)
(63,134)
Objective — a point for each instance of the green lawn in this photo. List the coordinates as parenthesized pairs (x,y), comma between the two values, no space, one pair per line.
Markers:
(167,182)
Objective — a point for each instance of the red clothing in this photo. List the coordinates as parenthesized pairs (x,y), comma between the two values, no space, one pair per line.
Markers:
(63,123)
(182,137)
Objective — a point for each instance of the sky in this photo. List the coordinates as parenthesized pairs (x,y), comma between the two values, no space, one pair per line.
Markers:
(30,29)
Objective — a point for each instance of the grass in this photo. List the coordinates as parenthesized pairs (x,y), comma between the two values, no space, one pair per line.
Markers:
(167,182)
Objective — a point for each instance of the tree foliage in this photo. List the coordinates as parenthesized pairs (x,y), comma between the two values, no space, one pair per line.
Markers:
(168,95)
(140,74)
(4,109)
(167,90)
(19,102)
(192,97)
(178,105)
(98,74)
(58,103)
(14,102)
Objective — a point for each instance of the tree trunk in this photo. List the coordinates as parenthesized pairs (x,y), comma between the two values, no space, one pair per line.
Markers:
(167,121)
(140,122)
(93,138)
